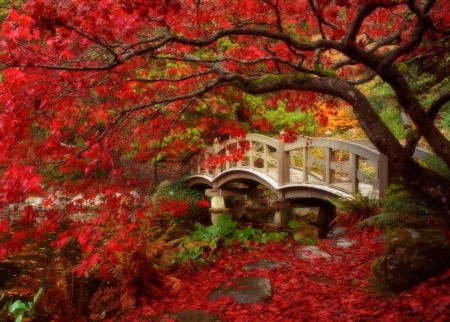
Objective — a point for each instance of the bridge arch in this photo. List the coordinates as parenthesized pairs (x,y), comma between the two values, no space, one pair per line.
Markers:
(252,178)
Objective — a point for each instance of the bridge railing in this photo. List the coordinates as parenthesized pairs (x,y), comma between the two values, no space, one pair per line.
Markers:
(256,152)
(343,165)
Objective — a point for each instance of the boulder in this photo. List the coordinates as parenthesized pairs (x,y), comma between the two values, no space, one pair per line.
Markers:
(344,243)
(412,256)
(337,232)
(243,290)
(308,252)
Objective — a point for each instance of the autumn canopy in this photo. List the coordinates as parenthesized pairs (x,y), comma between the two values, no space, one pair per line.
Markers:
(89,84)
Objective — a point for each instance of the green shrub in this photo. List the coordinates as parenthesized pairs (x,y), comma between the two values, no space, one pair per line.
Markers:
(301,123)
(207,242)
(178,191)
(404,208)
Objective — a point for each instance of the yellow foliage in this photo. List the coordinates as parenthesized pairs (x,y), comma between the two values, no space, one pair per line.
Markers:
(343,120)
(339,118)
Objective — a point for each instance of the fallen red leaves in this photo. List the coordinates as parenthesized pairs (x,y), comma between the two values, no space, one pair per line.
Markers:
(335,289)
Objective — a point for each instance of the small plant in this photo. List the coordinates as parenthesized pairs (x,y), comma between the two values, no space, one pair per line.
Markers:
(294,230)
(224,234)
(352,211)
(19,309)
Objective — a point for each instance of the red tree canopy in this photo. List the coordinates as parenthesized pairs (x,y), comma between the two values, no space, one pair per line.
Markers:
(87,85)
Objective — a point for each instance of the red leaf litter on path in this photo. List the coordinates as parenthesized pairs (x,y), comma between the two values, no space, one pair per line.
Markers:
(333,289)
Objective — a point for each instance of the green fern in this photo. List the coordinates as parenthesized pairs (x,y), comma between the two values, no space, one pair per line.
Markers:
(389,219)
(351,211)
(405,208)
(358,203)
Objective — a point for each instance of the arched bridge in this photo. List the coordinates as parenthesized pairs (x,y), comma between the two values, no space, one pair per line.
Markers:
(307,172)
(308,167)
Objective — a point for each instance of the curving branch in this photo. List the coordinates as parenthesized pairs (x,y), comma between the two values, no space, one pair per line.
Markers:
(366,78)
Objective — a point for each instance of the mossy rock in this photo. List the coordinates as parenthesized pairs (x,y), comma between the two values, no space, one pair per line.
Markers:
(412,256)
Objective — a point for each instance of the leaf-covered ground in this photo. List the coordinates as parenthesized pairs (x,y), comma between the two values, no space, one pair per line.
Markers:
(337,289)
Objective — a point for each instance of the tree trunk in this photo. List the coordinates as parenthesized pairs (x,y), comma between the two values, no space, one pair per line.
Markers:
(431,184)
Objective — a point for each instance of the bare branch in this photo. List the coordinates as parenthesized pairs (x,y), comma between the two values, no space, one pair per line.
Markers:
(366,78)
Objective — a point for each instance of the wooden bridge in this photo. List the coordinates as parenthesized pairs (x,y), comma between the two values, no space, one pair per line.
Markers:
(317,168)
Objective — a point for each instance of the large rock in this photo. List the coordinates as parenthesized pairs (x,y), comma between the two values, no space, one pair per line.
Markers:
(344,243)
(412,256)
(245,290)
(309,252)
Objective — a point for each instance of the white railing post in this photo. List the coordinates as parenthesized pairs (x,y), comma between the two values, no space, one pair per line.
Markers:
(328,172)
(281,164)
(354,167)
(305,164)
(265,159)
(250,157)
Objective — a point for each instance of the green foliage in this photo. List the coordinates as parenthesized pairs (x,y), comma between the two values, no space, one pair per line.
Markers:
(436,164)
(379,94)
(302,123)
(224,234)
(404,208)
(180,192)
(445,120)
(20,309)
(391,117)
(222,231)
(352,211)
(294,230)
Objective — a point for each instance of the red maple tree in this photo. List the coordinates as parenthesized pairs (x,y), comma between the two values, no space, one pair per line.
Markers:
(89,85)
(86,83)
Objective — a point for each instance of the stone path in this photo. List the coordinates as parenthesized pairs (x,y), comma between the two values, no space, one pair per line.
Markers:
(253,289)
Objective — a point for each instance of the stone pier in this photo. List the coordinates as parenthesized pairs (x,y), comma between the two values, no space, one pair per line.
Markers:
(282,215)
(217,208)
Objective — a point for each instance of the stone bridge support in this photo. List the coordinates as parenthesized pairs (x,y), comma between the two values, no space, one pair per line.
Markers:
(218,207)
(282,215)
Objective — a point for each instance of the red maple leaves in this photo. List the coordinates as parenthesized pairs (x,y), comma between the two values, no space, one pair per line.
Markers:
(335,289)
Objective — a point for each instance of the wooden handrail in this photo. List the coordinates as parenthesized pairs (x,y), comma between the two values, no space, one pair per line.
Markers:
(320,163)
